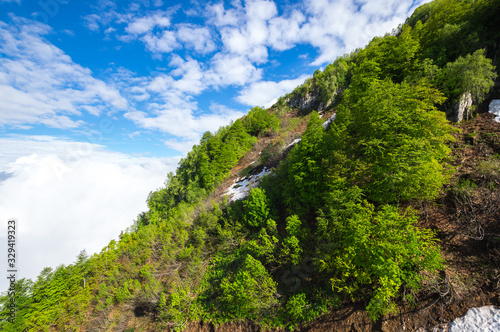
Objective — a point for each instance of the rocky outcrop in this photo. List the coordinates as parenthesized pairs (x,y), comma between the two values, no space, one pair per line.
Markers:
(305,102)
(308,101)
(462,109)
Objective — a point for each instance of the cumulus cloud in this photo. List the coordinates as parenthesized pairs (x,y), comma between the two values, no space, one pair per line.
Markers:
(334,27)
(250,37)
(219,16)
(182,123)
(338,27)
(40,84)
(69,196)
(142,25)
(266,93)
(196,38)
(284,32)
(164,42)
(220,115)
(229,69)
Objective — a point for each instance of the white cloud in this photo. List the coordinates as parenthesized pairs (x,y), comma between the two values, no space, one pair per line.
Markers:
(266,93)
(338,27)
(197,38)
(142,25)
(334,27)
(220,115)
(92,22)
(69,196)
(191,76)
(184,35)
(183,146)
(40,84)
(164,42)
(284,32)
(261,10)
(228,69)
(249,38)
(222,17)
(182,123)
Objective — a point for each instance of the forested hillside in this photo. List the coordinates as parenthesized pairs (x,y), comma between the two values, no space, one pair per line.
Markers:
(378,209)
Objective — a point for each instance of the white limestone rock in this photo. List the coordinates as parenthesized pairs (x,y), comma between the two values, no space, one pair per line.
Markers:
(463,107)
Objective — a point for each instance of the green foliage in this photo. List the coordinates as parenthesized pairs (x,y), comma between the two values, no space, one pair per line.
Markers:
(327,225)
(207,165)
(473,73)
(260,120)
(490,168)
(331,80)
(296,307)
(304,171)
(264,245)
(292,250)
(373,253)
(238,286)
(396,140)
(173,307)
(250,292)
(256,208)
(448,29)
(302,90)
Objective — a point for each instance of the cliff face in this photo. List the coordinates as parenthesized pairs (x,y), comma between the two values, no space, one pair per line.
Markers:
(462,109)
(308,102)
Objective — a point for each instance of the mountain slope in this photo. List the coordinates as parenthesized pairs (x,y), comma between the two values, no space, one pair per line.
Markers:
(373,212)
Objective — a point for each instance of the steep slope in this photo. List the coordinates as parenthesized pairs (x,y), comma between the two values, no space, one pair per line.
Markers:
(387,217)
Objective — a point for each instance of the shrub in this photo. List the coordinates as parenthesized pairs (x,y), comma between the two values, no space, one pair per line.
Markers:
(256,210)
(372,254)
(250,292)
(259,120)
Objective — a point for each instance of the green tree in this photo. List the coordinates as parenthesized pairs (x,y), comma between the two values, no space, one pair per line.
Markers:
(304,170)
(256,210)
(250,292)
(372,254)
(396,140)
(259,120)
(474,74)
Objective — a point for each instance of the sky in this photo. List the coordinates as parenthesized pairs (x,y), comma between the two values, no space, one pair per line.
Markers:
(100,99)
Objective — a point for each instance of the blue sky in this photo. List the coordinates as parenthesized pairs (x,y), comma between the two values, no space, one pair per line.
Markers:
(100,99)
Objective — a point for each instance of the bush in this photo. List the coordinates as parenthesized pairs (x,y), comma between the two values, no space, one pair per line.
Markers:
(237,286)
(490,169)
(396,140)
(259,121)
(256,211)
(372,254)
(249,293)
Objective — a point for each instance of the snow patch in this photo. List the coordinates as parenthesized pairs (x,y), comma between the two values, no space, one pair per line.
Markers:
(241,187)
(330,120)
(495,109)
(484,319)
(295,141)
